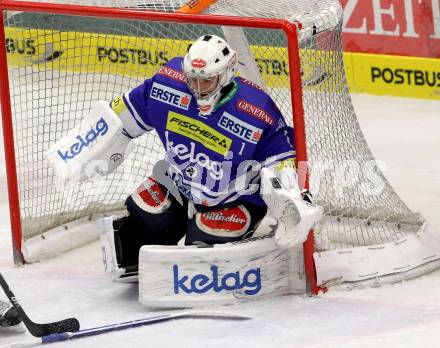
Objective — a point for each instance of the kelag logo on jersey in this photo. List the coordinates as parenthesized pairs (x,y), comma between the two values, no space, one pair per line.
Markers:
(202,283)
(170,96)
(239,128)
(189,154)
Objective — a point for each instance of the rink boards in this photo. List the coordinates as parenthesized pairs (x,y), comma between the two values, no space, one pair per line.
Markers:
(141,57)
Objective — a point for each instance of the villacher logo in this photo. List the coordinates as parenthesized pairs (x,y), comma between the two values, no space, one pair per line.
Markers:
(227,222)
(219,216)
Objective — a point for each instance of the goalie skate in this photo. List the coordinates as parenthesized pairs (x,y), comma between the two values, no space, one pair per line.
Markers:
(109,254)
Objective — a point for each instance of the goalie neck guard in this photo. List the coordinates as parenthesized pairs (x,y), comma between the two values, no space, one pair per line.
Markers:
(209,65)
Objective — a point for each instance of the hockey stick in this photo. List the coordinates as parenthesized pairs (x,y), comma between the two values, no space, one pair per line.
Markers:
(196,6)
(247,65)
(58,337)
(38,330)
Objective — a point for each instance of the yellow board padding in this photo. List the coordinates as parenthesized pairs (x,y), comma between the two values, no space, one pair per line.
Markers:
(393,75)
(119,54)
(90,52)
(140,58)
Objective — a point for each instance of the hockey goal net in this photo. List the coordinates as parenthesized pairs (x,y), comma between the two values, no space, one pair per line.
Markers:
(62,55)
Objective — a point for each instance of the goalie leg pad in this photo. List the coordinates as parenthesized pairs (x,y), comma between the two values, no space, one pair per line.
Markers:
(155,217)
(120,255)
(190,276)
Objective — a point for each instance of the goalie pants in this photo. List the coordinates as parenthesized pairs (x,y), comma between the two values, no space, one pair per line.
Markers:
(157,218)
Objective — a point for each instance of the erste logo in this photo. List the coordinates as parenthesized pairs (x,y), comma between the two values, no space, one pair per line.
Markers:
(185,100)
(170,96)
(241,129)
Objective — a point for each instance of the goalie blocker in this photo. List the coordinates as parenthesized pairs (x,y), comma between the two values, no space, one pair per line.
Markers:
(96,147)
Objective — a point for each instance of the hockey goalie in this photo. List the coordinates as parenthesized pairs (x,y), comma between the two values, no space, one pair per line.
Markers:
(230,159)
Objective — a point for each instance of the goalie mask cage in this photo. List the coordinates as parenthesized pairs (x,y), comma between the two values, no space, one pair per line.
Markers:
(62,55)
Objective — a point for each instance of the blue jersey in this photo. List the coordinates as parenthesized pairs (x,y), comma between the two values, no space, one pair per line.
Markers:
(213,159)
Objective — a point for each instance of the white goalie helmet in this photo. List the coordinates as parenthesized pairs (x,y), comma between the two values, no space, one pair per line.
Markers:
(209,65)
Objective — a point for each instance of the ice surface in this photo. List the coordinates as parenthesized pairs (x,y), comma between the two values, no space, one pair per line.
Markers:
(404,133)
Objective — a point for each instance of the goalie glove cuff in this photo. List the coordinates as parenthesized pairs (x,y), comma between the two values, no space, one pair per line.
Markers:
(285,171)
(294,215)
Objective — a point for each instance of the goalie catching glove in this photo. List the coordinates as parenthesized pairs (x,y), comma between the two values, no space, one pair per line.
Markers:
(284,202)
(96,146)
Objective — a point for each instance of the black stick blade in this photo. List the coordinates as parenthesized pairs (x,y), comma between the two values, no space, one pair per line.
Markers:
(66,325)
(40,330)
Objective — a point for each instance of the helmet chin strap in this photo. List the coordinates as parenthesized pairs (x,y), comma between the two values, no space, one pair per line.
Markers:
(207,106)
(222,97)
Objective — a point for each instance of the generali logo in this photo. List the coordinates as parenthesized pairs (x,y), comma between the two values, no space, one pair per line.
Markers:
(172,73)
(198,63)
(254,111)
